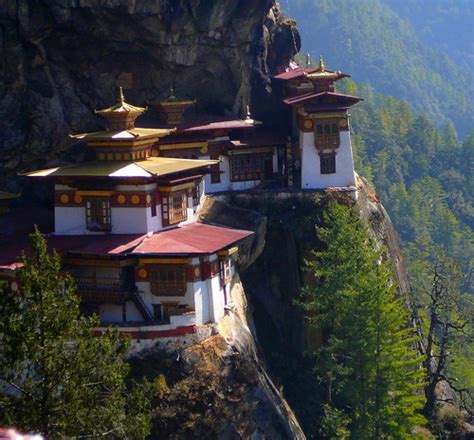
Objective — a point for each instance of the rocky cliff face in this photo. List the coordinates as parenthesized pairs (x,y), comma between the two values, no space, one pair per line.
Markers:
(60,59)
(275,279)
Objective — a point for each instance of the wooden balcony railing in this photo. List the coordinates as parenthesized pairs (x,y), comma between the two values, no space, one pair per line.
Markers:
(168,288)
(101,284)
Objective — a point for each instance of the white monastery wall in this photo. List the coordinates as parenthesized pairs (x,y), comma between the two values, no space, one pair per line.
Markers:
(311,177)
(70,220)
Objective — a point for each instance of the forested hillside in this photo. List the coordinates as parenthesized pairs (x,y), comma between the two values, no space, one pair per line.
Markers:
(446,24)
(398,57)
(425,178)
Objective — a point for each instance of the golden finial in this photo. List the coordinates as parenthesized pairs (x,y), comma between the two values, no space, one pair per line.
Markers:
(249,115)
(322,66)
(308,60)
(171,96)
(121,98)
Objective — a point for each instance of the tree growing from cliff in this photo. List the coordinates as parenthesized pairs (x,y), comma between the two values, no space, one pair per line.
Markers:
(58,377)
(367,364)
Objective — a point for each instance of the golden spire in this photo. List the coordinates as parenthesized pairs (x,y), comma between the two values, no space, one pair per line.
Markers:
(122,115)
(171,96)
(121,98)
(322,66)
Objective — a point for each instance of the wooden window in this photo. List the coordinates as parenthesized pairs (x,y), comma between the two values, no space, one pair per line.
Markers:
(98,214)
(196,193)
(174,207)
(327,134)
(226,271)
(167,280)
(250,167)
(328,163)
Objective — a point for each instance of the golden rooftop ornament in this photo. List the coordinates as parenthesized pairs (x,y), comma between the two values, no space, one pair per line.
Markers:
(122,115)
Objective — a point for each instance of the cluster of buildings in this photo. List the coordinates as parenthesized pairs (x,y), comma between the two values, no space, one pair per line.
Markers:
(126,222)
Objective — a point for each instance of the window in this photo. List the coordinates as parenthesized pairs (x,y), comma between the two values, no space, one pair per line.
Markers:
(98,214)
(328,163)
(153,205)
(215,174)
(327,134)
(196,194)
(168,281)
(157,312)
(250,167)
(175,206)
(226,271)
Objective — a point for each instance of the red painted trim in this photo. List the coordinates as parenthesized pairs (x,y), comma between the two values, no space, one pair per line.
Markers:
(155,334)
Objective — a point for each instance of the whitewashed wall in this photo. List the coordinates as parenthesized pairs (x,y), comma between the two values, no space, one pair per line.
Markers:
(311,177)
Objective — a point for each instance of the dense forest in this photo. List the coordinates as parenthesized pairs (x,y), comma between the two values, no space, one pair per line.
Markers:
(425,177)
(396,56)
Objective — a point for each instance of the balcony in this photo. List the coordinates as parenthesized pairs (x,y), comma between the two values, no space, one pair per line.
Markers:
(102,290)
(169,288)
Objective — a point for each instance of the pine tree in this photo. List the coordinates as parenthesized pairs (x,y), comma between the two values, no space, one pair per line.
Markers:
(367,362)
(61,379)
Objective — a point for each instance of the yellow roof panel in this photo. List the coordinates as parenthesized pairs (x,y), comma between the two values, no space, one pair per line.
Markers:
(160,166)
(124,135)
(152,167)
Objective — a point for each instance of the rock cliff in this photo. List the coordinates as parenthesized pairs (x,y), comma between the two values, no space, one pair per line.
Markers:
(276,277)
(62,58)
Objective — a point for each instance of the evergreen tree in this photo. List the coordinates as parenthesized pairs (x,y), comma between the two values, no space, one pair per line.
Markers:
(367,362)
(60,378)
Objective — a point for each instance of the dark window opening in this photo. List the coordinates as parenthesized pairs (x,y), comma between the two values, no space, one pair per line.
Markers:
(153,205)
(98,214)
(328,163)
(215,174)
(250,167)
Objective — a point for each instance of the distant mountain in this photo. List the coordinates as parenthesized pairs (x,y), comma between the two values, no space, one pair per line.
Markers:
(372,41)
(447,25)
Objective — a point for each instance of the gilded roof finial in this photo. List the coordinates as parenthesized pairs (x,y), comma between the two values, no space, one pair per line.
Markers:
(121,98)
(322,66)
(249,115)
(308,60)
(171,96)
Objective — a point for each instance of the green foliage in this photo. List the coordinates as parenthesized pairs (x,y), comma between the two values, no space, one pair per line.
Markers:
(367,363)
(369,40)
(64,381)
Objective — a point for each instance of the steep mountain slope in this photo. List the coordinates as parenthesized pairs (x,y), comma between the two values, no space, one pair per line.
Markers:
(371,42)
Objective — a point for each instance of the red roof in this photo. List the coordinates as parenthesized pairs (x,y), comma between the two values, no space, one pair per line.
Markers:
(194,238)
(224,124)
(312,95)
(87,244)
(294,73)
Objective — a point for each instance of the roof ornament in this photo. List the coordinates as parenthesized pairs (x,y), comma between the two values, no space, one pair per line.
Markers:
(249,118)
(121,97)
(171,97)
(309,61)
(322,66)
